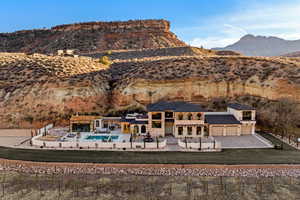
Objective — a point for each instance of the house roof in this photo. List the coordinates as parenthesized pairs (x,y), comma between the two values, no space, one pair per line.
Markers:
(139,122)
(127,120)
(175,106)
(221,119)
(238,106)
(84,118)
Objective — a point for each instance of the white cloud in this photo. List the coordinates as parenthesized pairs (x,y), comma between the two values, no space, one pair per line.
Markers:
(281,20)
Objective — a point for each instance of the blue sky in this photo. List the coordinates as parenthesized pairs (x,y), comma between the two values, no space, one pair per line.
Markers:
(198,22)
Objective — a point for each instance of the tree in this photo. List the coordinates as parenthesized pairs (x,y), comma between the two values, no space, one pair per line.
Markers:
(285,115)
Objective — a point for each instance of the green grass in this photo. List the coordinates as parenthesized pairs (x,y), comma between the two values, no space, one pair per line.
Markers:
(229,156)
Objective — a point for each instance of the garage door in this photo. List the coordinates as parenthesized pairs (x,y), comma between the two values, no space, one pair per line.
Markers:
(216,131)
(231,131)
(246,130)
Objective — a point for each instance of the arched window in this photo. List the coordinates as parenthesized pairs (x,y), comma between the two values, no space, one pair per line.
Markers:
(143,129)
(180,116)
(198,130)
(199,116)
(190,116)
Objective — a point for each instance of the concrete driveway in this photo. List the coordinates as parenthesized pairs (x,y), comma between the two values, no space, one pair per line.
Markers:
(245,141)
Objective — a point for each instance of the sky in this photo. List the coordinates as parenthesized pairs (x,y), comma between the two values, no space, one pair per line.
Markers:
(207,23)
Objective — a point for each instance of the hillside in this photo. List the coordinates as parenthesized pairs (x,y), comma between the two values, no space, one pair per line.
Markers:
(152,52)
(92,37)
(38,88)
(250,45)
(198,79)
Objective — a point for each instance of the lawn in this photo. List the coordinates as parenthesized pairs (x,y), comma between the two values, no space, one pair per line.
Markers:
(229,156)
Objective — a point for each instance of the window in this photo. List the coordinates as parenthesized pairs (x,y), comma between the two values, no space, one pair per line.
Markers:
(143,129)
(180,130)
(156,124)
(190,116)
(247,115)
(189,130)
(105,125)
(198,132)
(199,116)
(169,114)
(97,123)
(156,115)
(180,117)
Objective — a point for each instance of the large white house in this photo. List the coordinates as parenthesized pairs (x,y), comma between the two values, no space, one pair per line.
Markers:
(182,119)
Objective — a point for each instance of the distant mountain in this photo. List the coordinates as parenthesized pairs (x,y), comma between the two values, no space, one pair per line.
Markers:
(293,54)
(251,45)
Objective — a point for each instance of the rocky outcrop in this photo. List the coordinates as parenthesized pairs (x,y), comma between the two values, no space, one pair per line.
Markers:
(39,89)
(92,37)
(199,79)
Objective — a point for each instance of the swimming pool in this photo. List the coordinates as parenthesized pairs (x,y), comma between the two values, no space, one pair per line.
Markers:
(102,137)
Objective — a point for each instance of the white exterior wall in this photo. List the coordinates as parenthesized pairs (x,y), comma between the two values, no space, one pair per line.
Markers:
(156,132)
(98,145)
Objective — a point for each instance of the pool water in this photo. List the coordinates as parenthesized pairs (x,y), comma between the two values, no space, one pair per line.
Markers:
(102,137)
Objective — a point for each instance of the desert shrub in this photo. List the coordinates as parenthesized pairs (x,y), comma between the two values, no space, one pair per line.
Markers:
(105,60)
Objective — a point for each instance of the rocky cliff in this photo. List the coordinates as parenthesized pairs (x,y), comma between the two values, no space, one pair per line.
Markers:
(38,89)
(199,79)
(92,37)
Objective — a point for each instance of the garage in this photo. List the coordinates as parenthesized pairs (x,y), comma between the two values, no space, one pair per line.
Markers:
(246,129)
(232,131)
(216,131)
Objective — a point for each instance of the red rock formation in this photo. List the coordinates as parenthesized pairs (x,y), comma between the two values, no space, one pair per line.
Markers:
(92,37)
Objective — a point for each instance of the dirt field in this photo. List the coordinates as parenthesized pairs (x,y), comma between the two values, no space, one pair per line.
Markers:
(15,132)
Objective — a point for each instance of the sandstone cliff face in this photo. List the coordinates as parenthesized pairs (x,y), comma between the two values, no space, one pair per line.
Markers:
(39,89)
(92,37)
(199,79)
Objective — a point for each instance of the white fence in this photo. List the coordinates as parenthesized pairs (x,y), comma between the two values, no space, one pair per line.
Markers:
(99,145)
(204,146)
(44,130)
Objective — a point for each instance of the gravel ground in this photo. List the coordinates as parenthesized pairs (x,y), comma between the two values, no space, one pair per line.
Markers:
(151,170)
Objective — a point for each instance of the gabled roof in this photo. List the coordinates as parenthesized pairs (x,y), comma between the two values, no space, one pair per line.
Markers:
(221,119)
(238,106)
(175,106)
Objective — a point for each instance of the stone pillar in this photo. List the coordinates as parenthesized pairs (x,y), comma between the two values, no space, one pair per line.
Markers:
(202,131)
(239,130)
(184,134)
(194,131)
(253,128)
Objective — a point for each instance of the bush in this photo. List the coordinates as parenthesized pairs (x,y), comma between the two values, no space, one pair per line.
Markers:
(105,60)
